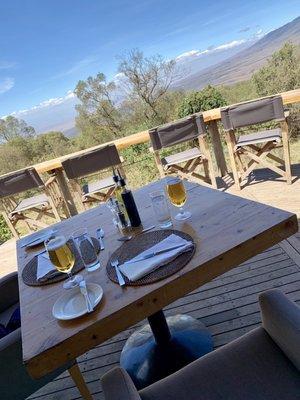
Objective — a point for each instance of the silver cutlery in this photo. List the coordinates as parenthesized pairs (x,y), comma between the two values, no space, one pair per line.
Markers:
(114,264)
(124,238)
(155,253)
(43,236)
(83,290)
(100,236)
(147,229)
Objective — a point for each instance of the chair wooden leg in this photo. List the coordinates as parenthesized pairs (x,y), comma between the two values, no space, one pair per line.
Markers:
(54,210)
(286,153)
(77,377)
(230,139)
(158,164)
(204,148)
(11,226)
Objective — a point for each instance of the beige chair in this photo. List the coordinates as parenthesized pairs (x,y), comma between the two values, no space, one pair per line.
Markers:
(264,364)
(186,163)
(32,209)
(87,165)
(251,150)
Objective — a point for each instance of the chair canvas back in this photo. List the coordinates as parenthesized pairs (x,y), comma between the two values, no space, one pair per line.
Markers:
(91,162)
(252,112)
(177,132)
(20,181)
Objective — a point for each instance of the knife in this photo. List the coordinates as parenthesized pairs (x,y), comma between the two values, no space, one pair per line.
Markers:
(155,253)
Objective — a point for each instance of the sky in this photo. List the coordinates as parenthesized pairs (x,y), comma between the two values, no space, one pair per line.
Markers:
(46,46)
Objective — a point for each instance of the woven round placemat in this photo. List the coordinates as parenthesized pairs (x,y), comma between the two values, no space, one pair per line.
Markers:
(30,269)
(143,242)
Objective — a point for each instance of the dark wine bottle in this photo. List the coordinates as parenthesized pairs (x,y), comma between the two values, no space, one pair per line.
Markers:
(131,208)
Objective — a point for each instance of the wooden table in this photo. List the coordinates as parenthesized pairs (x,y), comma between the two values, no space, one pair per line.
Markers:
(227,231)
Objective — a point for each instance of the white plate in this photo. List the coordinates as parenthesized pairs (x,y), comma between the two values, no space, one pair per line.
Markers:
(72,303)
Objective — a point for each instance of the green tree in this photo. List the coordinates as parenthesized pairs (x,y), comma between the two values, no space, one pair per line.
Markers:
(97,106)
(281,73)
(206,99)
(50,145)
(146,81)
(12,127)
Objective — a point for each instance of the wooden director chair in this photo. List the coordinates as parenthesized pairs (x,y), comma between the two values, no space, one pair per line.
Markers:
(89,164)
(251,150)
(32,209)
(185,163)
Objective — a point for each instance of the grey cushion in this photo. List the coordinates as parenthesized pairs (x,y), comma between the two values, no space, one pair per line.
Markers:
(271,135)
(183,156)
(93,161)
(9,290)
(97,186)
(117,385)
(253,112)
(30,202)
(20,181)
(182,130)
(250,368)
(281,319)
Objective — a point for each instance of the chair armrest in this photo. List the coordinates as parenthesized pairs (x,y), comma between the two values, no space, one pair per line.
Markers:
(281,319)
(117,385)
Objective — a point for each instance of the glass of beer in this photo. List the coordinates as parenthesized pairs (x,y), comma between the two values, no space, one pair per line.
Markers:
(177,195)
(62,258)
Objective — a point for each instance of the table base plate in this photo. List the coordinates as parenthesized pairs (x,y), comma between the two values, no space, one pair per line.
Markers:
(147,362)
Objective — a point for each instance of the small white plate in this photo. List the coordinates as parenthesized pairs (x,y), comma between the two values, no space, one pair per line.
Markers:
(72,303)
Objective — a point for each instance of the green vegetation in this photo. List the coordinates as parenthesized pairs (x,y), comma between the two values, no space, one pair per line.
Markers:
(142,100)
(206,99)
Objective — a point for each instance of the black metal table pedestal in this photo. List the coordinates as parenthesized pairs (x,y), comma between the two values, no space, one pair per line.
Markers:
(164,346)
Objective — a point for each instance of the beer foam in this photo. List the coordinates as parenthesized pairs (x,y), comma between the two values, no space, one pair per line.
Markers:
(56,243)
(173,180)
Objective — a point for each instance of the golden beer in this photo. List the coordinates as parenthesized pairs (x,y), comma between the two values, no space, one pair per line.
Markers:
(176,192)
(60,255)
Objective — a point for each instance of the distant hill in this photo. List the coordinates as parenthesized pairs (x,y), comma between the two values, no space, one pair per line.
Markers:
(242,65)
(71,132)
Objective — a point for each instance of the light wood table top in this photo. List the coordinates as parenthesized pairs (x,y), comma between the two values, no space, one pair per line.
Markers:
(227,231)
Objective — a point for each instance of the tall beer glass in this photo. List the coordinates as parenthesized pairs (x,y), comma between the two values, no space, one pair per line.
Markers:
(62,258)
(177,195)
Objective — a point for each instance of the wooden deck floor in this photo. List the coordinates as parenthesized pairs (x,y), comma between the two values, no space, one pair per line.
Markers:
(228,305)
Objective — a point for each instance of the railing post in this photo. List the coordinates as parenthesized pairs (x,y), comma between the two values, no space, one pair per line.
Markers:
(218,149)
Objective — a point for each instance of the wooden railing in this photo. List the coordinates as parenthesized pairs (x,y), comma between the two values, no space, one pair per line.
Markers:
(210,117)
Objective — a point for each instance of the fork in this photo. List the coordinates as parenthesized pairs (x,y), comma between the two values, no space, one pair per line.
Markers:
(115,263)
(84,291)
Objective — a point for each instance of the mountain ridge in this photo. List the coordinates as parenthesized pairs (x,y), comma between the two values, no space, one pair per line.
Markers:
(243,64)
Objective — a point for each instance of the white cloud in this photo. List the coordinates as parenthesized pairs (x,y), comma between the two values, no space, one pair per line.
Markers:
(7,64)
(6,84)
(198,53)
(44,104)
(78,66)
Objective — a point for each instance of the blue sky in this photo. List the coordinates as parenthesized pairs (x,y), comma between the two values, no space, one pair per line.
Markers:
(46,46)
